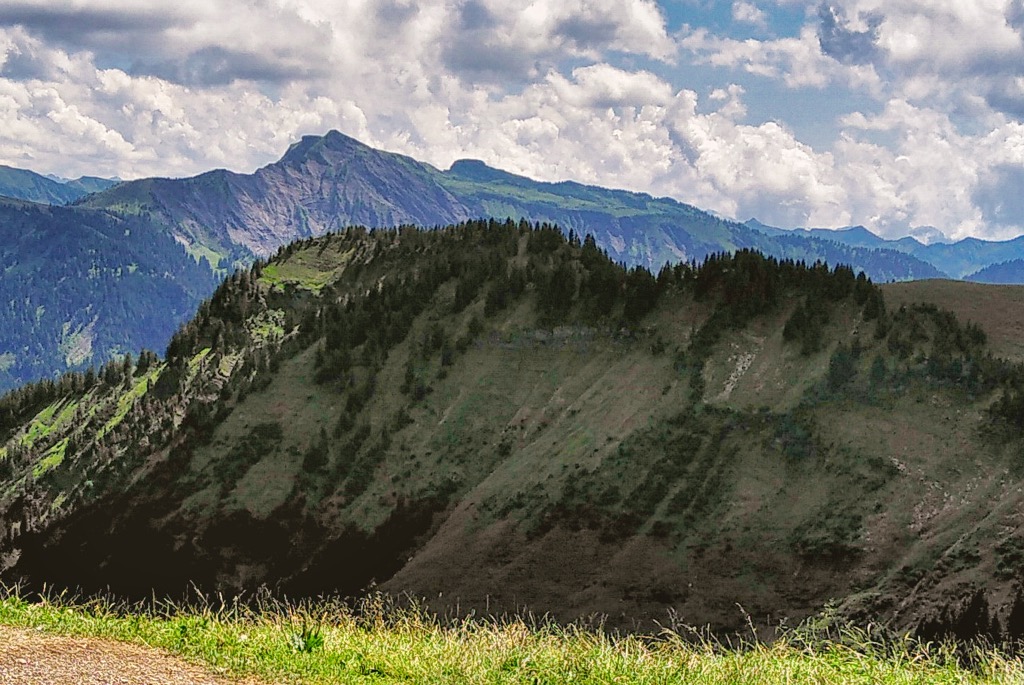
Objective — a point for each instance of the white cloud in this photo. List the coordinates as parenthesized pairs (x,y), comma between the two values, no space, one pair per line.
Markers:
(935,51)
(749,13)
(87,120)
(797,62)
(603,86)
(946,36)
(578,90)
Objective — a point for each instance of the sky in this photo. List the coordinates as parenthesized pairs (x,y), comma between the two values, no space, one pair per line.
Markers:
(904,116)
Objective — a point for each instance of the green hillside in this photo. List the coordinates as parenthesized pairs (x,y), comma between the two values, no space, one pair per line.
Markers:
(82,286)
(493,417)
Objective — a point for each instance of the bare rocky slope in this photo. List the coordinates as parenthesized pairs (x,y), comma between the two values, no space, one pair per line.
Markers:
(496,418)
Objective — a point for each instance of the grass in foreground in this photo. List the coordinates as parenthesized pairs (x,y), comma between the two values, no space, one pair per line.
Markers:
(328,642)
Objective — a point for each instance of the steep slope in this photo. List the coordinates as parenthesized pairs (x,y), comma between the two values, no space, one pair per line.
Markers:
(329,182)
(22,184)
(494,418)
(80,286)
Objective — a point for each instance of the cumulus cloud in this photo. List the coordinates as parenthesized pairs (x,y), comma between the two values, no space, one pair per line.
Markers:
(602,86)
(999,197)
(191,84)
(933,49)
(492,38)
(198,43)
(839,40)
(584,90)
(70,117)
(749,13)
(100,24)
(798,62)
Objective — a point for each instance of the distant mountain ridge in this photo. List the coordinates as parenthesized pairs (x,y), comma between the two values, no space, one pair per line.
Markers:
(326,183)
(959,260)
(22,184)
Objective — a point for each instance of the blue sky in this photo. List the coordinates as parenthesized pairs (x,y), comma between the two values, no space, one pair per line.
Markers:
(896,114)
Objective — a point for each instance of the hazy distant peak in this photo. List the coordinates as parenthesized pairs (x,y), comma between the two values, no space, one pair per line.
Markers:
(858,230)
(84,180)
(25,184)
(928,235)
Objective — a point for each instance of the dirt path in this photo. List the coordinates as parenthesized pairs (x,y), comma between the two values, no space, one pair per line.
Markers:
(29,657)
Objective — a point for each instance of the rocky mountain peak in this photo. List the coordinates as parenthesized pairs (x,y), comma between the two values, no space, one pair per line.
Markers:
(309,147)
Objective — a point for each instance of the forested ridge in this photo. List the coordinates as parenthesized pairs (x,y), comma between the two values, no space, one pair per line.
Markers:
(369,405)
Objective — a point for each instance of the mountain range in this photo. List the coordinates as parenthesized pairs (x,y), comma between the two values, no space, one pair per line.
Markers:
(224,220)
(325,183)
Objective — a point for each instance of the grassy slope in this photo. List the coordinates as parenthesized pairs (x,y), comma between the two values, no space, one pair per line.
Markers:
(998,309)
(327,643)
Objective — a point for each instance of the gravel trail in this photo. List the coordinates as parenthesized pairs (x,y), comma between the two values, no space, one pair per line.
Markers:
(29,657)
